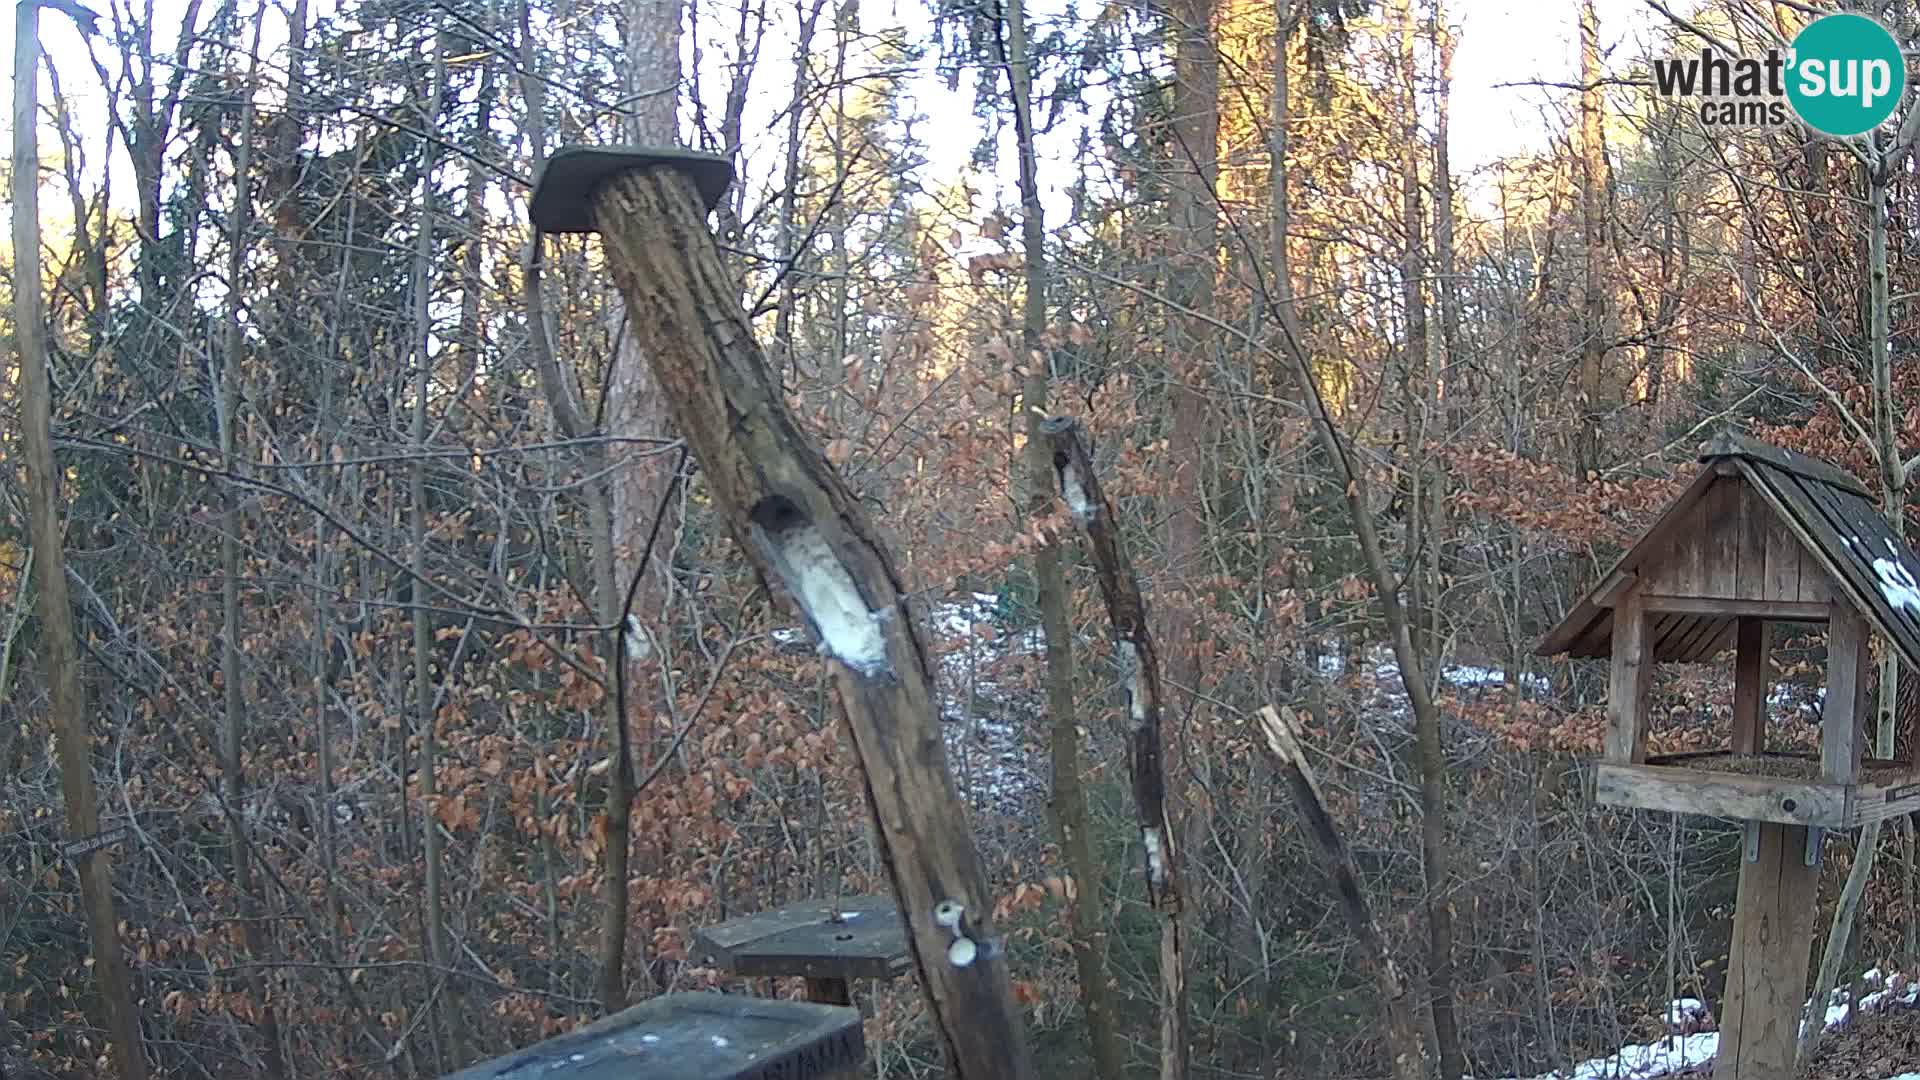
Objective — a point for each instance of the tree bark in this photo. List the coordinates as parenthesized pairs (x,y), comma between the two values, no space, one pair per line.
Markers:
(1592,207)
(1069,805)
(805,530)
(635,406)
(59,650)
(1139,656)
(1195,239)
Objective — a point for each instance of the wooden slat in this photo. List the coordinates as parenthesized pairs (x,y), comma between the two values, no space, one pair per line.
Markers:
(1632,674)
(1783,557)
(1816,585)
(1777,610)
(1697,642)
(1768,959)
(1717,542)
(1750,688)
(1888,799)
(1735,796)
(1755,521)
(1806,515)
(1843,715)
(1665,633)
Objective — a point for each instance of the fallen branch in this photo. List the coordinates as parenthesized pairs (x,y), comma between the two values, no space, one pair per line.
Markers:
(1282,729)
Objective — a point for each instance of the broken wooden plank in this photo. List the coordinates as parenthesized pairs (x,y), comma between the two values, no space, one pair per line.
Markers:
(1407,1047)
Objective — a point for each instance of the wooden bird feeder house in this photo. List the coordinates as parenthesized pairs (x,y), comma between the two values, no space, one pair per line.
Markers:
(1762,535)
(827,943)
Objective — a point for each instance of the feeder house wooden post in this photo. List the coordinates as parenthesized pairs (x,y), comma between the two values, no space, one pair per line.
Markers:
(1762,535)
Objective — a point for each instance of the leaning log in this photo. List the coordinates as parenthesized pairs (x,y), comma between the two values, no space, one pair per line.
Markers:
(1404,1041)
(804,530)
(1126,606)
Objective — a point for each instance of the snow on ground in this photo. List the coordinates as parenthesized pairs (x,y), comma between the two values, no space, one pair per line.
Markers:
(1644,1061)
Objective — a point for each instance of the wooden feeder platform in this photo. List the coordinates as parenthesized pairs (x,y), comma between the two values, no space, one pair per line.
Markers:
(1782,788)
(826,942)
(695,1037)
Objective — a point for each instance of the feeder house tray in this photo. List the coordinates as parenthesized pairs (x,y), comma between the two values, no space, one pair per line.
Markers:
(1777,787)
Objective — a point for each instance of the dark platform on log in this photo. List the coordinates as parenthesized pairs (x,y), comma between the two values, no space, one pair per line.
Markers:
(563,192)
(859,938)
(694,1037)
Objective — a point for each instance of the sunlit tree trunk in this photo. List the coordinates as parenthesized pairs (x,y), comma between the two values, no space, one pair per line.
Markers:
(59,650)
(1069,806)
(1593,325)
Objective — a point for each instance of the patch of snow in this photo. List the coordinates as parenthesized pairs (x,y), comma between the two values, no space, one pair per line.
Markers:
(1644,1061)
(1681,1010)
(1897,585)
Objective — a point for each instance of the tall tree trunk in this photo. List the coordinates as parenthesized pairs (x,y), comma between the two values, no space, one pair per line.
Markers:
(635,407)
(1593,325)
(1893,485)
(1195,238)
(790,186)
(252,925)
(59,650)
(1069,795)
(438,951)
(1429,760)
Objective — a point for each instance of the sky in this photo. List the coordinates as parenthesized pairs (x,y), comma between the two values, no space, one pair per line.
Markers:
(1502,42)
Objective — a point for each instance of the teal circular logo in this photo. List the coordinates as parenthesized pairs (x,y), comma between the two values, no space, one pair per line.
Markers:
(1847,75)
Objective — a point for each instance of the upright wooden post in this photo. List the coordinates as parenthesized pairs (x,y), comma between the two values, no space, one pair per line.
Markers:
(1768,958)
(800,525)
(1750,686)
(1631,678)
(1843,716)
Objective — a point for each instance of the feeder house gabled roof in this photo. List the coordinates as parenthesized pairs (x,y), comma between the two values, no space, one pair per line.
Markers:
(1760,532)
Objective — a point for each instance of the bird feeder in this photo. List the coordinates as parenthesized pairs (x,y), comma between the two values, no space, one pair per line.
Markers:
(695,1037)
(827,943)
(1761,536)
